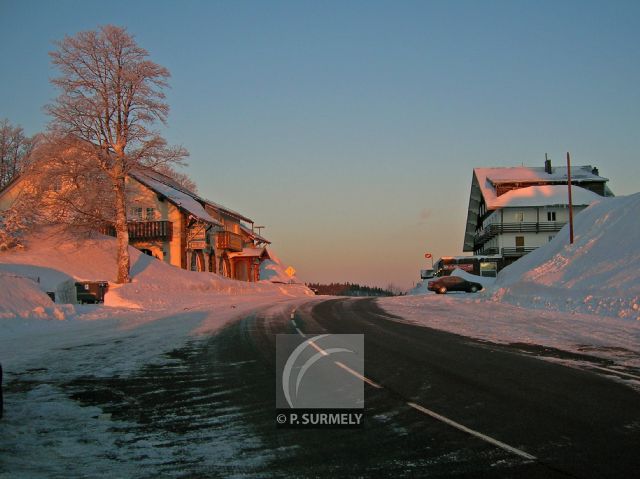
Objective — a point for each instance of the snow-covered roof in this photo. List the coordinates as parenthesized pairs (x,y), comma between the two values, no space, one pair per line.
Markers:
(252,234)
(486,182)
(230,212)
(181,197)
(545,195)
(490,178)
(166,181)
(249,253)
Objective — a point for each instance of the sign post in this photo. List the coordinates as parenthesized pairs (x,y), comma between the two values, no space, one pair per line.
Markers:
(570,200)
(429,256)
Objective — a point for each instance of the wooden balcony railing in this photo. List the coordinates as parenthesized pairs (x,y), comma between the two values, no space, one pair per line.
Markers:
(144,230)
(229,241)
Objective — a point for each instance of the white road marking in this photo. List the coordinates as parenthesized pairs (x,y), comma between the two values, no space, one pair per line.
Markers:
(293,322)
(477,434)
(616,372)
(356,374)
(346,368)
(430,413)
(318,348)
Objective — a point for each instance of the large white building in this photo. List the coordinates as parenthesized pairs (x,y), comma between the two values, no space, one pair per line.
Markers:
(513,211)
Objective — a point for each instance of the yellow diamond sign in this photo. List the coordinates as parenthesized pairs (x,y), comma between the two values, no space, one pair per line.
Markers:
(290,271)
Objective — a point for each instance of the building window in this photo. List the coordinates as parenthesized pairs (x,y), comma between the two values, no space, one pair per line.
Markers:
(551,215)
(151,214)
(136,213)
(519,215)
(551,237)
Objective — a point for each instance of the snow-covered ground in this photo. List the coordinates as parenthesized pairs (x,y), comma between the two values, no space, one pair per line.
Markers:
(473,316)
(583,297)
(160,300)
(162,309)
(599,273)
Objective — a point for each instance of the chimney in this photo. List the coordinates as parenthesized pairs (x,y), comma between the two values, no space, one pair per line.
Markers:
(595,171)
(547,164)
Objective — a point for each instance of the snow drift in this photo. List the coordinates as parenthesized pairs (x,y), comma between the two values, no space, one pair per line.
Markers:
(599,273)
(274,271)
(52,258)
(22,297)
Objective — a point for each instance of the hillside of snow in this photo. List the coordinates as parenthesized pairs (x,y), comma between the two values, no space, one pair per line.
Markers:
(599,273)
(52,258)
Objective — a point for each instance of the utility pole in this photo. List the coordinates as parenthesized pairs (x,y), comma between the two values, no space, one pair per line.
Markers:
(570,201)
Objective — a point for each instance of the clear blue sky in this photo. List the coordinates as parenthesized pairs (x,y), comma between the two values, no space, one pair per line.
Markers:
(351,128)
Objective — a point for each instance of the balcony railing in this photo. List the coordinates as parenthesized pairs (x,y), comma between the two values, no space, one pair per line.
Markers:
(493,230)
(229,241)
(509,251)
(517,251)
(144,230)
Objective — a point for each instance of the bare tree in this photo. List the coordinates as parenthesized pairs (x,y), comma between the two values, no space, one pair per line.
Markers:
(63,185)
(15,148)
(182,179)
(110,97)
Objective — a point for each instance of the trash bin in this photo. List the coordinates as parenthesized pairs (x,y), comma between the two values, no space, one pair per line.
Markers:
(91,291)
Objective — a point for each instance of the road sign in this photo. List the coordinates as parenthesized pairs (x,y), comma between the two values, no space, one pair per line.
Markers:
(290,271)
(427,255)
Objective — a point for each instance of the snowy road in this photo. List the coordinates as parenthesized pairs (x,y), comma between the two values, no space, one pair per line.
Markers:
(447,407)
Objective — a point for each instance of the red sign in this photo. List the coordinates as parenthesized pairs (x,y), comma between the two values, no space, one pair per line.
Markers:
(427,255)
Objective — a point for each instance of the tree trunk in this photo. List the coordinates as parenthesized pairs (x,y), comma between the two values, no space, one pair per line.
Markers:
(122,232)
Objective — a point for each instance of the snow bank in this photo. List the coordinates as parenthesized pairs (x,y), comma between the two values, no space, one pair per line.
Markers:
(55,258)
(420,288)
(273,270)
(22,297)
(471,315)
(599,273)
(485,281)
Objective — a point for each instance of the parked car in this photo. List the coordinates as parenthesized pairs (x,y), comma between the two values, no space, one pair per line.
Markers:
(453,283)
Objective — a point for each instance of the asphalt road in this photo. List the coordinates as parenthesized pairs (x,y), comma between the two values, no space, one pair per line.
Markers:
(449,406)
(575,422)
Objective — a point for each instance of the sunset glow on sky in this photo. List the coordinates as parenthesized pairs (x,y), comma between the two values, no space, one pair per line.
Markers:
(351,129)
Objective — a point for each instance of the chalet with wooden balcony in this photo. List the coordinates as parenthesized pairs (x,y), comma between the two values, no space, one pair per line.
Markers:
(179,227)
(513,211)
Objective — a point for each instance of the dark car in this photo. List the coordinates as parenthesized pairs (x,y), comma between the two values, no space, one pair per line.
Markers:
(453,283)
